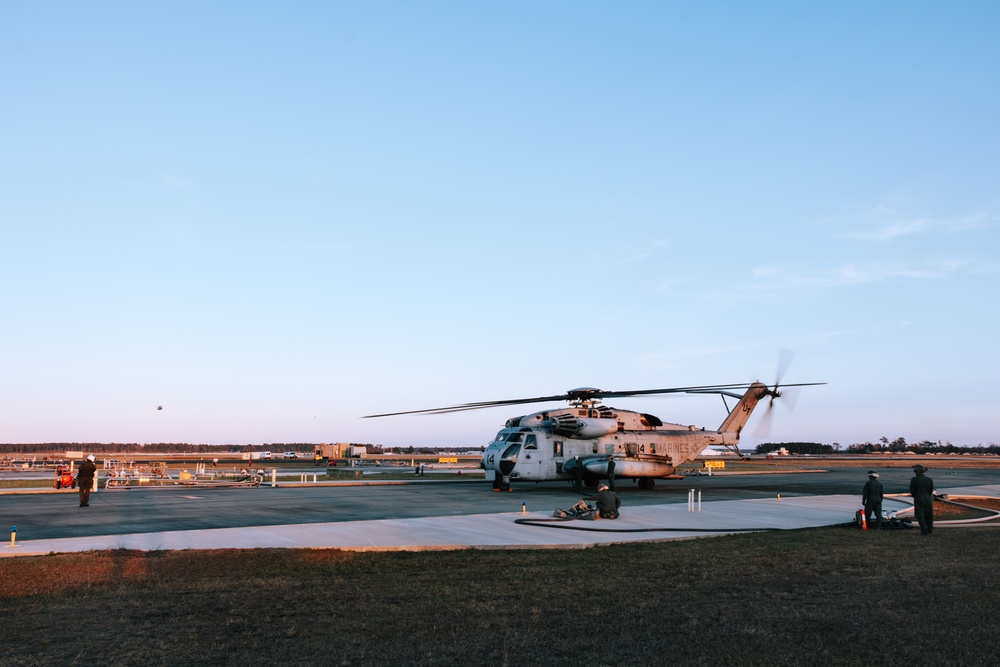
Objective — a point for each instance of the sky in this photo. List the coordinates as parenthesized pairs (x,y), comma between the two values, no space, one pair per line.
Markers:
(272,219)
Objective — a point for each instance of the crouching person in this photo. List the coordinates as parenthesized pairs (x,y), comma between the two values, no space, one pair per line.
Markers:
(608,502)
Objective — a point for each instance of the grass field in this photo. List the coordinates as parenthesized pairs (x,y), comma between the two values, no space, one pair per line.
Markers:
(828,596)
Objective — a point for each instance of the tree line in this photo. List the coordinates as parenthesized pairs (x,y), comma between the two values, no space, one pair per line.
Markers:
(882,445)
(59,448)
(158,447)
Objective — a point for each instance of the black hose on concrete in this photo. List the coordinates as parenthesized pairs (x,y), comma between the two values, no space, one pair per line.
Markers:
(556,523)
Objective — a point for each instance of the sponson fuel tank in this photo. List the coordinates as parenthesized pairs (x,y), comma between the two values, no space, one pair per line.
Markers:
(598,466)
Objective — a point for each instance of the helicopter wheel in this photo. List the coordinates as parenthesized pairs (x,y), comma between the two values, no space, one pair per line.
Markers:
(646,483)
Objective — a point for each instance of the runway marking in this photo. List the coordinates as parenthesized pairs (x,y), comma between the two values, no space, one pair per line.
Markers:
(193,497)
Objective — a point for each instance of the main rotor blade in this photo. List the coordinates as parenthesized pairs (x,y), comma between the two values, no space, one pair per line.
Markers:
(472,406)
(578,395)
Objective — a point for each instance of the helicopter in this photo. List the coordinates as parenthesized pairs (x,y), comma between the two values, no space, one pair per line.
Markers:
(588,441)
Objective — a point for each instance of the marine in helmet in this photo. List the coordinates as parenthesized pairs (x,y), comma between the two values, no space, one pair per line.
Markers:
(577,474)
(85,479)
(922,490)
(871,497)
(608,502)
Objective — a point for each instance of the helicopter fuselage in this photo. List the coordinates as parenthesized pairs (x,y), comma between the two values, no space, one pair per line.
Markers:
(579,442)
(549,445)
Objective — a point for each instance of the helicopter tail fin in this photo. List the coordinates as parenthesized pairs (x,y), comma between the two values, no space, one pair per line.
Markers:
(737,419)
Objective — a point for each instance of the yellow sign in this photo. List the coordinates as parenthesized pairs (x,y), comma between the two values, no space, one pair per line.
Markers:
(715,464)
(447,459)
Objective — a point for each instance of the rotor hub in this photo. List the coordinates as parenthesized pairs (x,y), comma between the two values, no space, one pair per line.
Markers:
(584,397)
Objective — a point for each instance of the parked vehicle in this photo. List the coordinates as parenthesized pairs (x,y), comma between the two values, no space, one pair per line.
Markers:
(64,478)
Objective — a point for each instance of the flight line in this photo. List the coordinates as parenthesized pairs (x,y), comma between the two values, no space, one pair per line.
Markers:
(646,517)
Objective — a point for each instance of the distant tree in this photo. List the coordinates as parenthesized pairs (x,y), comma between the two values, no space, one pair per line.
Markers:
(897,445)
(794,447)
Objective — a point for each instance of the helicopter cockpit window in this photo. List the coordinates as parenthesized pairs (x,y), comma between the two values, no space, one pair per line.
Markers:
(530,442)
(514,437)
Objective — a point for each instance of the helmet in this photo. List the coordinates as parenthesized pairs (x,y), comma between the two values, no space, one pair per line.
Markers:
(873,474)
(603,487)
(91,457)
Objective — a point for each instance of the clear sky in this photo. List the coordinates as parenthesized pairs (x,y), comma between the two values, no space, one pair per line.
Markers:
(274,218)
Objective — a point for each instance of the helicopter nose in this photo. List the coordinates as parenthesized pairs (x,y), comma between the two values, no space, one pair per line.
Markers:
(508,459)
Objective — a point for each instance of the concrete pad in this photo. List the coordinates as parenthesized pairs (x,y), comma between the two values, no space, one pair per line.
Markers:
(647,523)
(643,523)
(986,490)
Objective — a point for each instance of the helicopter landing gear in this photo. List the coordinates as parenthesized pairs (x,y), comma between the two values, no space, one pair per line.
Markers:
(502,483)
(647,483)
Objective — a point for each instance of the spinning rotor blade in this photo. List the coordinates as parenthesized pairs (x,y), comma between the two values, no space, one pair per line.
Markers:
(763,429)
(791,397)
(789,392)
(785,357)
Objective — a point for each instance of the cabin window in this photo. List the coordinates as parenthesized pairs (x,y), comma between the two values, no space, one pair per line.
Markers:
(530,442)
(652,448)
(594,448)
(557,448)
(514,437)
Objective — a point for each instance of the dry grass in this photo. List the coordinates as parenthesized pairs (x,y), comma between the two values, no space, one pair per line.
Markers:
(835,596)
(25,483)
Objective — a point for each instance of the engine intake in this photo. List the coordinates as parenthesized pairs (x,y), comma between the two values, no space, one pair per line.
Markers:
(582,428)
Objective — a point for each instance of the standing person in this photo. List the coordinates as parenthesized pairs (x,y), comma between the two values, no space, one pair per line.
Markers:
(871,497)
(611,472)
(608,502)
(577,474)
(922,490)
(85,479)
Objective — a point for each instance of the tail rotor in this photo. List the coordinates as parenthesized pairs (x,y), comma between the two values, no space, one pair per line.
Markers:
(790,394)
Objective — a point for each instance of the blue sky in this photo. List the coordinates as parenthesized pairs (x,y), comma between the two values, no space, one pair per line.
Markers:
(274,218)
